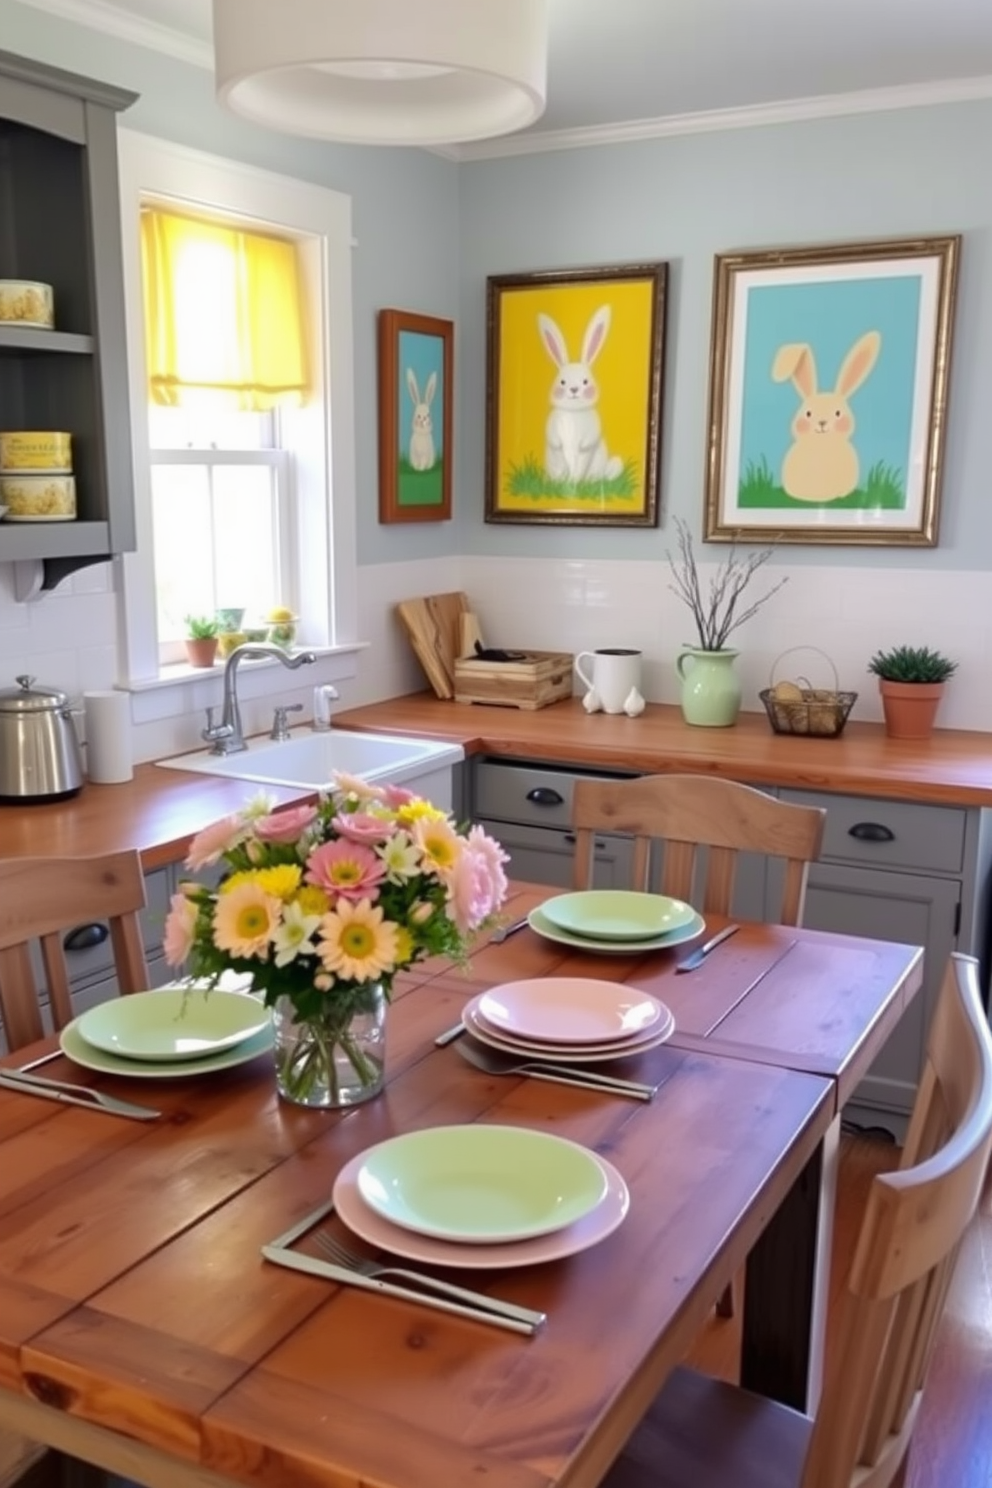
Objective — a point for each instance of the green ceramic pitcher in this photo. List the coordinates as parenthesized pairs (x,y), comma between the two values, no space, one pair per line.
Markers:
(711,693)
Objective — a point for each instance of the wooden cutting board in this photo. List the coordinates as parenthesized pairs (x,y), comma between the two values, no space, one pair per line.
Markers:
(434,626)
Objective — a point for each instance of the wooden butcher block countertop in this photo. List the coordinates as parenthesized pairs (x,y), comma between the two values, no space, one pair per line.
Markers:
(160,810)
(954,767)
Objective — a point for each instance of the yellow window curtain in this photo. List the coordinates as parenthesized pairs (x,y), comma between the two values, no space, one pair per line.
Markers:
(223,314)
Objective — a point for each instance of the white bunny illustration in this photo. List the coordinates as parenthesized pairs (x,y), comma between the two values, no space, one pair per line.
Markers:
(574,447)
(822,464)
(422,427)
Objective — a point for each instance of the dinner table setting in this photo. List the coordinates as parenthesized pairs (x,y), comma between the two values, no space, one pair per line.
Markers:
(489,1267)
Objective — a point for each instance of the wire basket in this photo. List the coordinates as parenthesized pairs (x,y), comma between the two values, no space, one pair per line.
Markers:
(817,712)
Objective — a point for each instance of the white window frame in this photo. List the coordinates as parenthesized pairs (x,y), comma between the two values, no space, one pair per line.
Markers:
(321,434)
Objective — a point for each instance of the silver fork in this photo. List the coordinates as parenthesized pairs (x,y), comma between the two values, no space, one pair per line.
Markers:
(342,1256)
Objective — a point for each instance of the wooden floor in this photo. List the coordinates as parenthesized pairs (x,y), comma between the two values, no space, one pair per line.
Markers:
(952,1445)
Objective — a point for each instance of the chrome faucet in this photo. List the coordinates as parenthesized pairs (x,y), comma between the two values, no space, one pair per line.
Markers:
(227,737)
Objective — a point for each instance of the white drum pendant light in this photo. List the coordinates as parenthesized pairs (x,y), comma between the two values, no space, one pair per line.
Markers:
(383,72)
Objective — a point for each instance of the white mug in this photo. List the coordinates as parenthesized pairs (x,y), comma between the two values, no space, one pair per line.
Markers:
(615,674)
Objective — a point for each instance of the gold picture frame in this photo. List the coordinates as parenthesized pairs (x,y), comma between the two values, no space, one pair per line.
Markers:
(574,373)
(829,373)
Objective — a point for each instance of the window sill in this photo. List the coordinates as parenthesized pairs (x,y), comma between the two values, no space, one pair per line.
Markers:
(181,673)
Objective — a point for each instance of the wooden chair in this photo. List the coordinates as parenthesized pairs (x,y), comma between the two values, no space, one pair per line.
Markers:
(41,899)
(702,1433)
(690,814)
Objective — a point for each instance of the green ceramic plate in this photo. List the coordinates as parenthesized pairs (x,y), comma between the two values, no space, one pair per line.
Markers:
(172,1023)
(617,914)
(540,923)
(481,1185)
(75,1047)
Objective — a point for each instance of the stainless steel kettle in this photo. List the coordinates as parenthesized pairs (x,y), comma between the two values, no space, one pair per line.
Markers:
(40,758)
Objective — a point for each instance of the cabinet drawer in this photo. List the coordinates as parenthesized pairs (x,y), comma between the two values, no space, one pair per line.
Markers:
(890,834)
(526,793)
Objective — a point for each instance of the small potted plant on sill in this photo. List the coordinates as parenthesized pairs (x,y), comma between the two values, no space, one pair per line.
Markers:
(711,693)
(911,681)
(201,640)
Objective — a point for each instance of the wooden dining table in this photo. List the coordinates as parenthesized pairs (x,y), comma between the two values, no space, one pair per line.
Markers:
(142,1330)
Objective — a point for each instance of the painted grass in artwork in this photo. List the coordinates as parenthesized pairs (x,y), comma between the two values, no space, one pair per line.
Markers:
(883,490)
(531,481)
(420,487)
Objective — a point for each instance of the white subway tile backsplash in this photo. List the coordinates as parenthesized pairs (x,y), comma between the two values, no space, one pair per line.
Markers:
(67,638)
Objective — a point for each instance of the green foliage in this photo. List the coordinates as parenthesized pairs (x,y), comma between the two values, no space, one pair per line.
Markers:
(882,490)
(531,479)
(201,627)
(912,664)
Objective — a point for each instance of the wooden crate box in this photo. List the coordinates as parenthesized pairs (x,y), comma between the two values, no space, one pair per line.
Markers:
(542,677)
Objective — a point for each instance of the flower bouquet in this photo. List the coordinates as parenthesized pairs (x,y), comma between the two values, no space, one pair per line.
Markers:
(322,905)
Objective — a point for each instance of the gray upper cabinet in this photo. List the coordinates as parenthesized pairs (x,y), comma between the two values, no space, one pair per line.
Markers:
(60,224)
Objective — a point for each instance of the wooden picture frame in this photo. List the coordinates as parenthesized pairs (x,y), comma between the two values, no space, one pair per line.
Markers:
(829,371)
(416,393)
(566,443)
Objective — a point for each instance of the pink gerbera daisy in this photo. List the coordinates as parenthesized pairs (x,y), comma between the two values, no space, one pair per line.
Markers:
(346,869)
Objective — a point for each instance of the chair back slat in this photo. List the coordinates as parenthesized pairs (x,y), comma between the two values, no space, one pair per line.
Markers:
(697,818)
(42,898)
(910,1235)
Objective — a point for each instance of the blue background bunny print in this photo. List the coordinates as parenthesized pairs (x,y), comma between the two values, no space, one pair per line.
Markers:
(836,356)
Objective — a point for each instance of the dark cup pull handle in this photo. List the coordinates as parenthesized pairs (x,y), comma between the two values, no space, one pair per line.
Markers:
(871,832)
(545,795)
(85,937)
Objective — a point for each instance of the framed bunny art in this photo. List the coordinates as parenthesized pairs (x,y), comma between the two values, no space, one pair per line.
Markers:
(416,389)
(828,392)
(573,395)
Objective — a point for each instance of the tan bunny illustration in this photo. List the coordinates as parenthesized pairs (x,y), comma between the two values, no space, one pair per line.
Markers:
(822,464)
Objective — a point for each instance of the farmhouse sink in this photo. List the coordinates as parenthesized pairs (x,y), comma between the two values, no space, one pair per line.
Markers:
(308,761)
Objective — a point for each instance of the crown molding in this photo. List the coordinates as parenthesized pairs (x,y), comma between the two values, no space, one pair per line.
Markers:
(103,15)
(99,15)
(756,116)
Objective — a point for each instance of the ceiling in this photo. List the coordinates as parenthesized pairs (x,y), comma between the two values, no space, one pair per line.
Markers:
(629,68)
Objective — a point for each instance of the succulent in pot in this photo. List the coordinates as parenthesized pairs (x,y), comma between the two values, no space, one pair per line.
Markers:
(911,682)
(201,640)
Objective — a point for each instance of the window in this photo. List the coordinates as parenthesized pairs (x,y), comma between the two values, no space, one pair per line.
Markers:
(255,500)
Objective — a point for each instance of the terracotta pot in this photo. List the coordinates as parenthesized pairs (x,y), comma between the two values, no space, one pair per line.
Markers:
(202,652)
(910,707)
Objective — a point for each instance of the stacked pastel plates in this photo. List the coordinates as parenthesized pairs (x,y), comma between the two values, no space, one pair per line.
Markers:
(480,1196)
(169,1033)
(572,1020)
(616,921)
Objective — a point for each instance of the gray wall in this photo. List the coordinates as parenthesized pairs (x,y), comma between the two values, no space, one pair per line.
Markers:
(404,205)
(901,174)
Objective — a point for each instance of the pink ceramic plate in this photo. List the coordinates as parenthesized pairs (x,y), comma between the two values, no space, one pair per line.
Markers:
(569,1010)
(549,1053)
(586,1232)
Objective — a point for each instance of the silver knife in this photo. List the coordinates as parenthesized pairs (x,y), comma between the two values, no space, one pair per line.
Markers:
(697,957)
(73,1095)
(503,932)
(312,1267)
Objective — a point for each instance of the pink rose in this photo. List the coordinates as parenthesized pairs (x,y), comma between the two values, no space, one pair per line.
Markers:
(359,826)
(285,826)
(210,845)
(180,924)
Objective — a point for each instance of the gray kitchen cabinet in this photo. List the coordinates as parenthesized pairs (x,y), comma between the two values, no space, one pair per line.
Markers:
(910,872)
(60,225)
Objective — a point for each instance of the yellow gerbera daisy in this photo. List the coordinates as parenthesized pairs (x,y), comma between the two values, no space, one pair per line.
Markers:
(282,881)
(412,811)
(245,920)
(404,946)
(356,943)
(312,901)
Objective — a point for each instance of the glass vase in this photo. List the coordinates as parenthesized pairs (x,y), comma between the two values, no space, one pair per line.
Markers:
(335,1059)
